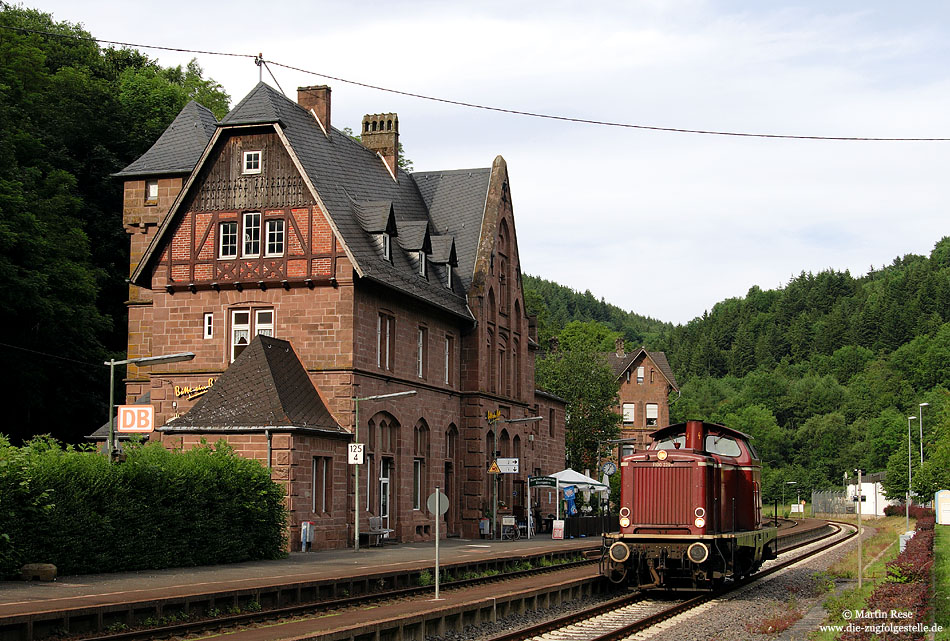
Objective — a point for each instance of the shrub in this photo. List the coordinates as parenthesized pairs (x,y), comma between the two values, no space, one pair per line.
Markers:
(71,507)
(916,511)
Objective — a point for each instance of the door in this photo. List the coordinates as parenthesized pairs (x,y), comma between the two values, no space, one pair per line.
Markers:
(385,476)
(451,521)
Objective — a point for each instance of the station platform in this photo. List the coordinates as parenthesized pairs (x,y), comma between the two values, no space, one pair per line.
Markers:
(19,598)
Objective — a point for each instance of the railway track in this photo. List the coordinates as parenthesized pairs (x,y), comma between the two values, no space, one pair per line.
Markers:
(628,615)
(319,608)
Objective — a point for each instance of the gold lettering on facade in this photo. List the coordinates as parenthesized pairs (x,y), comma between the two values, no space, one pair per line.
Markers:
(193,392)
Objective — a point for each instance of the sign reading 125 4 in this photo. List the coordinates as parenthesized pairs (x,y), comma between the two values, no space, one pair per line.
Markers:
(355,453)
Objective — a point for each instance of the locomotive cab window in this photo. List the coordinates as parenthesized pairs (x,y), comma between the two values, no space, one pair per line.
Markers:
(670,443)
(722,445)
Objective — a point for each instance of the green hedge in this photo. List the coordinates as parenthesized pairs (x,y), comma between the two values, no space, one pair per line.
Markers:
(156,509)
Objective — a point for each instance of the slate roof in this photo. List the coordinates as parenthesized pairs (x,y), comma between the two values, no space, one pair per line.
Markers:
(619,364)
(342,172)
(266,387)
(179,147)
(456,202)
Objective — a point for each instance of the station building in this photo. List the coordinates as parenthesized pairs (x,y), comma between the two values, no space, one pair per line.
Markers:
(306,269)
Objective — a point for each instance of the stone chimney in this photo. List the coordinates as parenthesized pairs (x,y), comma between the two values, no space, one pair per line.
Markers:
(318,99)
(380,133)
(618,344)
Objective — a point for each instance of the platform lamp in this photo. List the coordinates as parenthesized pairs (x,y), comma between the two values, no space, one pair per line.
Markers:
(910,447)
(356,439)
(493,422)
(142,360)
(783,491)
(920,409)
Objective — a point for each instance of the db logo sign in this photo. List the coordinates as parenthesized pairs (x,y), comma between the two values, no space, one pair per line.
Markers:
(135,418)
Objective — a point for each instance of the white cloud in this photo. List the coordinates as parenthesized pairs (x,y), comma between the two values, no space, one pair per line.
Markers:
(664,224)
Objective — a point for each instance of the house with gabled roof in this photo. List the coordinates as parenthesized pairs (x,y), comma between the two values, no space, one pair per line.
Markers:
(273,223)
(646,381)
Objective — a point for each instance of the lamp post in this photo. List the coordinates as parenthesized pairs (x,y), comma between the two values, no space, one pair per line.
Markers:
(142,360)
(783,491)
(920,409)
(356,439)
(493,422)
(910,447)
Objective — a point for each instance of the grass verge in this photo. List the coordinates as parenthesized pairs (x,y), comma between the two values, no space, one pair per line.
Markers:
(881,544)
(942,581)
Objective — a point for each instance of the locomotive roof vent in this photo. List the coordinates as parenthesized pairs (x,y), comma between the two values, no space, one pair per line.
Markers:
(695,436)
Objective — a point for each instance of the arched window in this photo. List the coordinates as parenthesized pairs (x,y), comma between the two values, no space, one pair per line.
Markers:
(492,367)
(492,309)
(382,481)
(516,366)
(452,442)
(420,461)
(517,320)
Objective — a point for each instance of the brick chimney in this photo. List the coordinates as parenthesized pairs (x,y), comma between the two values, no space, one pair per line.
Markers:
(618,344)
(318,99)
(380,133)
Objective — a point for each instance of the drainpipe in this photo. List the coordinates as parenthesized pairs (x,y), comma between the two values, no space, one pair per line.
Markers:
(269,448)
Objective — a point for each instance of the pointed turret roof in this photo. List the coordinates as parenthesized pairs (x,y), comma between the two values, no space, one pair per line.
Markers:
(178,149)
(266,387)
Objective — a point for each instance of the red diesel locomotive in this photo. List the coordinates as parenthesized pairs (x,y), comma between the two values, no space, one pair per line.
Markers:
(690,511)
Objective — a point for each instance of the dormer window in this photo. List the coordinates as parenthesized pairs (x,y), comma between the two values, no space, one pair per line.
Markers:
(423,263)
(448,276)
(252,162)
(387,246)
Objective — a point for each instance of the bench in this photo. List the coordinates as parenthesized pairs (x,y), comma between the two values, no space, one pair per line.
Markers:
(377,530)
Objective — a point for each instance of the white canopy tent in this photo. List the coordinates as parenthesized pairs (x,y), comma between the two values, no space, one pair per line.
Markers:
(581,481)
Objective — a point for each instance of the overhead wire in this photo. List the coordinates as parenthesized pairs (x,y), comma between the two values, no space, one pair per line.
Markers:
(532,114)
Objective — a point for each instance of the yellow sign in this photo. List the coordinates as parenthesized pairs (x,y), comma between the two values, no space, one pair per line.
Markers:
(193,392)
(494,416)
(493,468)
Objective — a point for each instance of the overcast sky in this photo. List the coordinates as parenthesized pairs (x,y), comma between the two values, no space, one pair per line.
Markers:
(663,224)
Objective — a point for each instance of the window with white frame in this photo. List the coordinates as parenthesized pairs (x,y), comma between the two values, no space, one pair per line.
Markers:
(151,191)
(629,413)
(387,246)
(448,277)
(422,347)
(246,323)
(417,484)
(275,237)
(449,348)
(322,484)
(653,413)
(252,234)
(228,239)
(252,162)
(209,325)
(639,376)
(385,325)
(423,265)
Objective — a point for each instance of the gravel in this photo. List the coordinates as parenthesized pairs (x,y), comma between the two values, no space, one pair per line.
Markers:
(725,619)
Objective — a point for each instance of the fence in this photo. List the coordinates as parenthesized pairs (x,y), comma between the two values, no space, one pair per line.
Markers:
(831,503)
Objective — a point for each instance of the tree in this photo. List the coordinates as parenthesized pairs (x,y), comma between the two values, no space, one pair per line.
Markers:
(67,127)
(589,336)
(586,382)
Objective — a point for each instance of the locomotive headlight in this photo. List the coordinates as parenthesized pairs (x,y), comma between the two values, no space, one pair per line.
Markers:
(625,511)
(699,522)
(624,521)
(661,455)
(697,552)
(700,512)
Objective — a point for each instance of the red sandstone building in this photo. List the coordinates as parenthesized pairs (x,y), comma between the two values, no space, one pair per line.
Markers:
(645,380)
(368,279)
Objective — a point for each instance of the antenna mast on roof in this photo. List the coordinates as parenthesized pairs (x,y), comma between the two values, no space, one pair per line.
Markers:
(259,61)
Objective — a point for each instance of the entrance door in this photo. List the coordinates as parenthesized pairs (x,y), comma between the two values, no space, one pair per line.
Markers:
(451,522)
(385,474)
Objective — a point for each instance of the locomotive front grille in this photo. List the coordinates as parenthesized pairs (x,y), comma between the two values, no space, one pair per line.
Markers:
(662,495)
